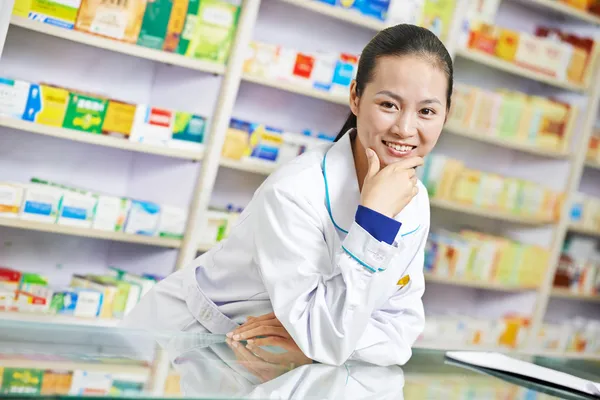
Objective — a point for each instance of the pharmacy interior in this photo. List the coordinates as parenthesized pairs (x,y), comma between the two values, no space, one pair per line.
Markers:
(134,133)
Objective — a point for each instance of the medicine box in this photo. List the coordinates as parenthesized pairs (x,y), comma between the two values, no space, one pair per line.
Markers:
(11,198)
(85,113)
(143,218)
(176,24)
(81,303)
(61,13)
(110,213)
(13,97)
(40,202)
(344,72)
(217,22)
(121,20)
(188,131)
(145,283)
(155,23)
(76,208)
(172,222)
(119,118)
(189,29)
(152,125)
(108,292)
(9,284)
(46,105)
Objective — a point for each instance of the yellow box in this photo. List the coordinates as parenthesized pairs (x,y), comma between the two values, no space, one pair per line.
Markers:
(467,186)
(47,105)
(21,8)
(119,118)
(508,42)
(463,103)
(121,20)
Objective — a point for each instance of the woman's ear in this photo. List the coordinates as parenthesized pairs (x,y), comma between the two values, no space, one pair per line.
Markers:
(354,99)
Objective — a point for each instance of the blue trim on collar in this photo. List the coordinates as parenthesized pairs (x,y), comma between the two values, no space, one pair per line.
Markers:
(413,231)
(327,202)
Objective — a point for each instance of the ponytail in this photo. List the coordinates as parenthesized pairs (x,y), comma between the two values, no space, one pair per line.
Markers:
(349,124)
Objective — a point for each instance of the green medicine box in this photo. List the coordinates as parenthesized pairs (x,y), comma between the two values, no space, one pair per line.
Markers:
(155,24)
(85,113)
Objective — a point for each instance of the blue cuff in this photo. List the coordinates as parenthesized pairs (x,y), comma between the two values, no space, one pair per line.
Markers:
(382,228)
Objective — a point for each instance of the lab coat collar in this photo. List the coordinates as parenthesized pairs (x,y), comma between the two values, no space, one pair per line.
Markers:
(341,185)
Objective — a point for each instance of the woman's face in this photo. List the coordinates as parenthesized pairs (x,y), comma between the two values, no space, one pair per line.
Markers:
(402,110)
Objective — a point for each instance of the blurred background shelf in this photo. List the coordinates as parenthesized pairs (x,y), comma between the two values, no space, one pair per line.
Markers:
(292,88)
(90,233)
(491,214)
(584,231)
(119,47)
(499,64)
(526,148)
(592,164)
(115,368)
(99,140)
(497,286)
(564,9)
(352,17)
(567,294)
(257,167)
(57,319)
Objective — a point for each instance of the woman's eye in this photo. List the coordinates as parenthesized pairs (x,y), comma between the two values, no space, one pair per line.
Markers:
(427,111)
(387,104)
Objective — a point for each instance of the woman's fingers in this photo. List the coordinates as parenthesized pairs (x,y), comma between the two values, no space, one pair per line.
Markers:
(284,343)
(261,330)
(253,325)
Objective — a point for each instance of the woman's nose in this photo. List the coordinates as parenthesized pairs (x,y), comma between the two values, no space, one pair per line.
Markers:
(406,125)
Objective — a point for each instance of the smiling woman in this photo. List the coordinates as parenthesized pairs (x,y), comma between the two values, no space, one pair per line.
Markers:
(329,253)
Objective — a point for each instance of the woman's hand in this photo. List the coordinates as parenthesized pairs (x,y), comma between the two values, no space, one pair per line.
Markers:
(390,189)
(258,367)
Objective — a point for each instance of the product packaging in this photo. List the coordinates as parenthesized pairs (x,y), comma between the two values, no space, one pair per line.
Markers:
(188,131)
(76,208)
(189,28)
(176,24)
(110,213)
(143,218)
(82,303)
(84,382)
(294,144)
(109,291)
(345,70)
(155,23)
(119,118)
(215,30)
(9,284)
(11,198)
(262,59)
(152,125)
(85,113)
(121,20)
(13,97)
(56,383)
(21,381)
(33,293)
(126,296)
(172,222)
(303,69)
(61,13)
(145,283)
(246,139)
(40,202)
(46,105)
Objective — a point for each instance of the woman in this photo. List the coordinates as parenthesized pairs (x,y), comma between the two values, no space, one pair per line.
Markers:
(330,249)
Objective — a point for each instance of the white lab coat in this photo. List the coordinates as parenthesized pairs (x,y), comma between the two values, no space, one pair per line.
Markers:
(297,250)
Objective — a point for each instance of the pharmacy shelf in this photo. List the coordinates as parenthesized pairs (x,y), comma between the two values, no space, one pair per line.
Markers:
(257,167)
(353,17)
(497,286)
(74,365)
(302,90)
(90,233)
(499,64)
(57,319)
(119,47)
(204,247)
(584,231)
(487,213)
(99,140)
(564,9)
(567,294)
(473,134)
(593,164)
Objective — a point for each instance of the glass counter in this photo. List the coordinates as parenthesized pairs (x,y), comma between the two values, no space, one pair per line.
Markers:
(62,361)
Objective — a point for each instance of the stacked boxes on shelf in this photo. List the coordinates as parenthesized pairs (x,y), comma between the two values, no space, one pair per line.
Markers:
(579,335)
(88,296)
(450,179)
(477,257)
(58,107)
(549,52)
(251,141)
(48,202)
(193,28)
(585,212)
(513,116)
(46,382)
(579,267)
(462,330)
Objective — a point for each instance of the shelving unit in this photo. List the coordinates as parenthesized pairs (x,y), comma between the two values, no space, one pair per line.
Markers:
(74,365)
(99,140)
(57,319)
(119,47)
(564,10)
(90,233)
(567,294)
(584,231)
(500,142)
(496,286)
(292,88)
(501,65)
(488,213)
(257,167)
(592,164)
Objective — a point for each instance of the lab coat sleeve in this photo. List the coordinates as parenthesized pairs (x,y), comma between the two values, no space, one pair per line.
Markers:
(394,327)
(324,305)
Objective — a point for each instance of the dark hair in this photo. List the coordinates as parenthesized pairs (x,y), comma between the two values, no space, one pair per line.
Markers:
(400,40)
